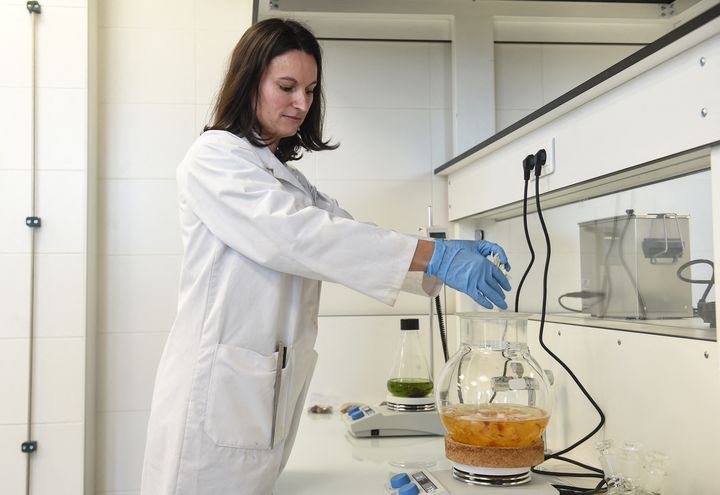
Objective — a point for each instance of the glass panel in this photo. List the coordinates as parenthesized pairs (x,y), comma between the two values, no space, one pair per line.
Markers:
(629,258)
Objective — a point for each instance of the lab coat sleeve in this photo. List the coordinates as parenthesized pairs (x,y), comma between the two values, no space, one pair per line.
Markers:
(414,282)
(325,202)
(227,187)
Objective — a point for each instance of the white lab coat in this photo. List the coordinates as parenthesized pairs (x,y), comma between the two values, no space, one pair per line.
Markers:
(258,240)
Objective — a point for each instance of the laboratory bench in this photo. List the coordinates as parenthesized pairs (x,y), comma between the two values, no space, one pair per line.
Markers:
(328,460)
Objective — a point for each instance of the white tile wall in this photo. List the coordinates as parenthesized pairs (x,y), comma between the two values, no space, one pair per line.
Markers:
(518,76)
(229,15)
(151,150)
(14,296)
(60,295)
(214,48)
(59,346)
(61,124)
(13,363)
(61,205)
(566,66)
(12,463)
(15,205)
(15,28)
(377,144)
(62,47)
(139,217)
(362,74)
(120,445)
(527,76)
(15,144)
(148,66)
(137,293)
(161,14)
(58,463)
(59,371)
(124,361)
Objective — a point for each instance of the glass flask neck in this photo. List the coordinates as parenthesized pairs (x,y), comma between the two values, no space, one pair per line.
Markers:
(497,333)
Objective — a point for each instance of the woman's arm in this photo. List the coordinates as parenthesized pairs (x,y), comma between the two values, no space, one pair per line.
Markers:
(421,258)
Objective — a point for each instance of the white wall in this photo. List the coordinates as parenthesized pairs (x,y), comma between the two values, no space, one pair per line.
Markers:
(58,393)
(159,64)
(527,76)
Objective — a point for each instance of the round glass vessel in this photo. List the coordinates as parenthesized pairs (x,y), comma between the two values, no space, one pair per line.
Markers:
(492,392)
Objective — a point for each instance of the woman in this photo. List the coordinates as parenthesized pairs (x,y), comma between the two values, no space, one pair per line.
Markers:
(258,239)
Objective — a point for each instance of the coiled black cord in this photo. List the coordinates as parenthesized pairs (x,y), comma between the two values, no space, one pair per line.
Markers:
(441,325)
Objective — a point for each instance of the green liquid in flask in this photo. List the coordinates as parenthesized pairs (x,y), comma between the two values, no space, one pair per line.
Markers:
(410,387)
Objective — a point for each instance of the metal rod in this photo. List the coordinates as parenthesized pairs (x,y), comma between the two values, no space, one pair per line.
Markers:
(33,9)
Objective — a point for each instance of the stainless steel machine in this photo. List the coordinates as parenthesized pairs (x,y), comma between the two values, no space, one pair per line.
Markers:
(629,266)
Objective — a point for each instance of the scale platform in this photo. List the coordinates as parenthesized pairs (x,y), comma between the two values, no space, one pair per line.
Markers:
(381,421)
(442,482)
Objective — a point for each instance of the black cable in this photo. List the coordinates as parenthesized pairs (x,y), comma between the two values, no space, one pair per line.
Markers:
(579,464)
(633,282)
(441,326)
(585,294)
(529,243)
(542,329)
(710,282)
(504,374)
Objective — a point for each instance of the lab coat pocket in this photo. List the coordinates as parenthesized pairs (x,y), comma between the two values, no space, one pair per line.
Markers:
(241,404)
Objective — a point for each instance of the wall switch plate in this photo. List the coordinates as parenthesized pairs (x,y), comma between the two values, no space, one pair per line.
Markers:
(549,146)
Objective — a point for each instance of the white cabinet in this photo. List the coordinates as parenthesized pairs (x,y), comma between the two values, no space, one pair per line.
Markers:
(660,111)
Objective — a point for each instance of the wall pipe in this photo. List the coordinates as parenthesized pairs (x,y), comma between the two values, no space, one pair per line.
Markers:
(33,222)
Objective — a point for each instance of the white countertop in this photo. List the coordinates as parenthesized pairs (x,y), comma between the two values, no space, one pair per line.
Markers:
(328,460)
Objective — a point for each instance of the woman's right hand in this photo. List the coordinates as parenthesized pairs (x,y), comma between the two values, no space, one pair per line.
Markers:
(463,266)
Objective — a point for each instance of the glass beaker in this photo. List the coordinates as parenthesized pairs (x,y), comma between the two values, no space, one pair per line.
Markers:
(492,392)
(410,376)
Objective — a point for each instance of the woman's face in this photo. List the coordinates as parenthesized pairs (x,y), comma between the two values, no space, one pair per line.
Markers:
(285,95)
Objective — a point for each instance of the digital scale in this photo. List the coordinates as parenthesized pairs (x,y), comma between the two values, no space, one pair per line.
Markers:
(400,417)
(423,482)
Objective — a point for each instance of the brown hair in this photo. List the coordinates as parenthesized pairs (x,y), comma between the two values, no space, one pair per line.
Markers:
(235,109)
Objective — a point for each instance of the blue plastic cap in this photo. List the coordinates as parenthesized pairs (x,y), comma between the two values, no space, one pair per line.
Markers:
(353,409)
(409,489)
(399,480)
(357,415)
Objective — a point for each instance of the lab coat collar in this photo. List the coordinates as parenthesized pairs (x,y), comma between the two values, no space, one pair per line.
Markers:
(279,170)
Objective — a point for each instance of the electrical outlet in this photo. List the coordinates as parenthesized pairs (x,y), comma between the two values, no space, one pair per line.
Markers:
(549,146)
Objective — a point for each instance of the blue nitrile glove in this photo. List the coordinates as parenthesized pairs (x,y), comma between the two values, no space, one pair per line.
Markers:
(487,248)
(462,266)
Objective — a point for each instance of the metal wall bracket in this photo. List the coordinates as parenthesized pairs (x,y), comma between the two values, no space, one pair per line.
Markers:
(667,10)
(34,7)
(29,447)
(33,222)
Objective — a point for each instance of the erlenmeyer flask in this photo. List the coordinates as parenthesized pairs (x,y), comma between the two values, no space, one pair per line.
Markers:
(410,376)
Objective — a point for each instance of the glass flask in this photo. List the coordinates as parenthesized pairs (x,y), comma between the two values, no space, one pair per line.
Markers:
(629,469)
(409,380)
(492,393)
